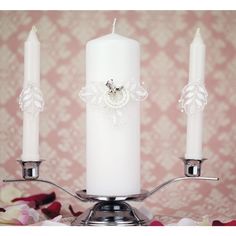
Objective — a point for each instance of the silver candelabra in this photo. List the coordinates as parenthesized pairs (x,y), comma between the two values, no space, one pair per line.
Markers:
(112,210)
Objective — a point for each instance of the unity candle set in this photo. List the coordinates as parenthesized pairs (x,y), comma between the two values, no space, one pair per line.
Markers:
(112,95)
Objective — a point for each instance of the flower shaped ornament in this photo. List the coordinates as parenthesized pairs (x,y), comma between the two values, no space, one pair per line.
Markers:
(193,98)
(111,97)
(31,99)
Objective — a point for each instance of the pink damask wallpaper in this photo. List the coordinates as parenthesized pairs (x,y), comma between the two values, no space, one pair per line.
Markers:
(165,37)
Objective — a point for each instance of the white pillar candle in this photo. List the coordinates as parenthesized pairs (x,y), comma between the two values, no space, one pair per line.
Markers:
(113,151)
(31,101)
(195,98)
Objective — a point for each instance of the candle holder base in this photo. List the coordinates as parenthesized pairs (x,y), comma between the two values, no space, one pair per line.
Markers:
(111,210)
(111,213)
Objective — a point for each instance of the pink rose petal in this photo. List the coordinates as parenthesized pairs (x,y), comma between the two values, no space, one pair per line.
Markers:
(73,212)
(156,223)
(39,199)
(2,209)
(218,223)
(53,210)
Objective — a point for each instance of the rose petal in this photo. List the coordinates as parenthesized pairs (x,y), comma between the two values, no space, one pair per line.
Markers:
(74,213)
(51,223)
(19,214)
(39,199)
(218,223)
(7,192)
(2,210)
(53,210)
(156,223)
(187,222)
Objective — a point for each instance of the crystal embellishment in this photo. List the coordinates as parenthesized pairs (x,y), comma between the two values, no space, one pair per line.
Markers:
(111,97)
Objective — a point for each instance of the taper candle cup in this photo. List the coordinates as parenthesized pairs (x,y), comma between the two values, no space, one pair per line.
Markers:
(30,169)
(192,168)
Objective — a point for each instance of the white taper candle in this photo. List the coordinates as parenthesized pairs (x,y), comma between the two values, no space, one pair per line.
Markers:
(196,81)
(31,99)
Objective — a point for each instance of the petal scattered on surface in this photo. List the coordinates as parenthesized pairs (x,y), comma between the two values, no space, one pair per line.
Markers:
(53,210)
(219,223)
(7,192)
(2,209)
(73,212)
(19,214)
(39,199)
(156,223)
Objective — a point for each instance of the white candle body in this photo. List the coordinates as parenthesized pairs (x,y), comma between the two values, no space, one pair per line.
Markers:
(113,152)
(195,120)
(31,77)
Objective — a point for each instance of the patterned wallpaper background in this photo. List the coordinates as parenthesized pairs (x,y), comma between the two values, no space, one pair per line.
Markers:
(165,37)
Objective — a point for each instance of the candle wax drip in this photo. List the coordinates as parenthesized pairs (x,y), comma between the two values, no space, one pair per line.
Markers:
(114,25)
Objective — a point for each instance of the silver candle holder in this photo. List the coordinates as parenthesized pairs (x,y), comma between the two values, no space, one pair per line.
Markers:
(112,210)
(192,167)
(30,169)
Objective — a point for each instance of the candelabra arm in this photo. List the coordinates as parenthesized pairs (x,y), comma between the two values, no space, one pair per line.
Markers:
(149,193)
(47,182)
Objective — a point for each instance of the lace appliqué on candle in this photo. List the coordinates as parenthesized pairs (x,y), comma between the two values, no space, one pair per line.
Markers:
(112,98)
(31,100)
(193,98)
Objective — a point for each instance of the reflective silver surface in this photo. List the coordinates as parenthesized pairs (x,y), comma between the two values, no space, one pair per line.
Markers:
(93,198)
(83,196)
(30,169)
(138,197)
(111,213)
(192,168)
(112,210)
(47,182)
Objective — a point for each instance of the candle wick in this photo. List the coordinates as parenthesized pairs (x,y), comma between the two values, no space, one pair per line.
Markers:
(114,25)
(198,32)
(34,29)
